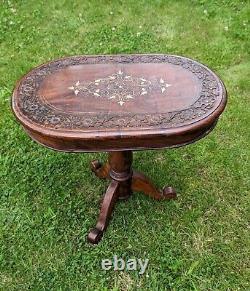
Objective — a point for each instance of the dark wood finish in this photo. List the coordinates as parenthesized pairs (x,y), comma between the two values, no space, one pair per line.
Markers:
(121,171)
(119,104)
(108,203)
(124,102)
(140,182)
(143,184)
(100,170)
(123,182)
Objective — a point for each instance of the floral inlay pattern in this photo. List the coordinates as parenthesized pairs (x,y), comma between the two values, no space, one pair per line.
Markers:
(35,109)
(119,87)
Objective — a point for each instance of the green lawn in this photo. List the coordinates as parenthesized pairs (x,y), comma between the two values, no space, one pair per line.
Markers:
(49,200)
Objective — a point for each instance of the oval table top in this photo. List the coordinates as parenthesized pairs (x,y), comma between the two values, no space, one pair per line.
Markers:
(118,102)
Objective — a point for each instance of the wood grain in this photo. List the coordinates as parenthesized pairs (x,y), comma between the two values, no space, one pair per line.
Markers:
(122,102)
(119,104)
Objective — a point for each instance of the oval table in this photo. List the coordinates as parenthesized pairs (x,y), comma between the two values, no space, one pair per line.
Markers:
(118,104)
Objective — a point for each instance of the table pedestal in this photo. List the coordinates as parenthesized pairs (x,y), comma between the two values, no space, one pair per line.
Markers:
(123,182)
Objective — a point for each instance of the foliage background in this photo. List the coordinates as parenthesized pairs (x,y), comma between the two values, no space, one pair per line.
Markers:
(49,200)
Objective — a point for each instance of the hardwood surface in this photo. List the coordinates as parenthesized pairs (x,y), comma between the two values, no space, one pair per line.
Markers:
(123,102)
(119,104)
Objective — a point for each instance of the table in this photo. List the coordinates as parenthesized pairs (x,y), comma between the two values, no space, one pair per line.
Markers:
(118,104)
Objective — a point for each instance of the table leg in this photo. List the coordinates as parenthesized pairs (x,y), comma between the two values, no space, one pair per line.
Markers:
(108,203)
(118,169)
(142,183)
(123,181)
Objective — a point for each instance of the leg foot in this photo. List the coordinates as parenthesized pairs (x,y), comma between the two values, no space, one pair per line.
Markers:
(108,203)
(143,184)
(169,193)
(95,235)
(100,170)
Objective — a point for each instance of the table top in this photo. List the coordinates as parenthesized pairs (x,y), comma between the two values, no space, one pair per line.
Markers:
(118,102)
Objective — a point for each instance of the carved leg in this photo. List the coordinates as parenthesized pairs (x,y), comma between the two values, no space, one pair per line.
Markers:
(142,183)
(108,203)
(118,169)
(100,170)
(123,182)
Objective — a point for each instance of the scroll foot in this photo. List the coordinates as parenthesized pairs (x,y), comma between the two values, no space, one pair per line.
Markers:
(100,170)
(169,193)
(95,235)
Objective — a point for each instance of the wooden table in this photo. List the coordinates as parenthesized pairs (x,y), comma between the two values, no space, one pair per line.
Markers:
(119,104)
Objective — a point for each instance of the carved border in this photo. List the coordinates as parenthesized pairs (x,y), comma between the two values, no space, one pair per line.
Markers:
(33,108)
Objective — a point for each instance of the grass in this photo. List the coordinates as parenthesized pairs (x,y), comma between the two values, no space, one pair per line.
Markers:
(49,200)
